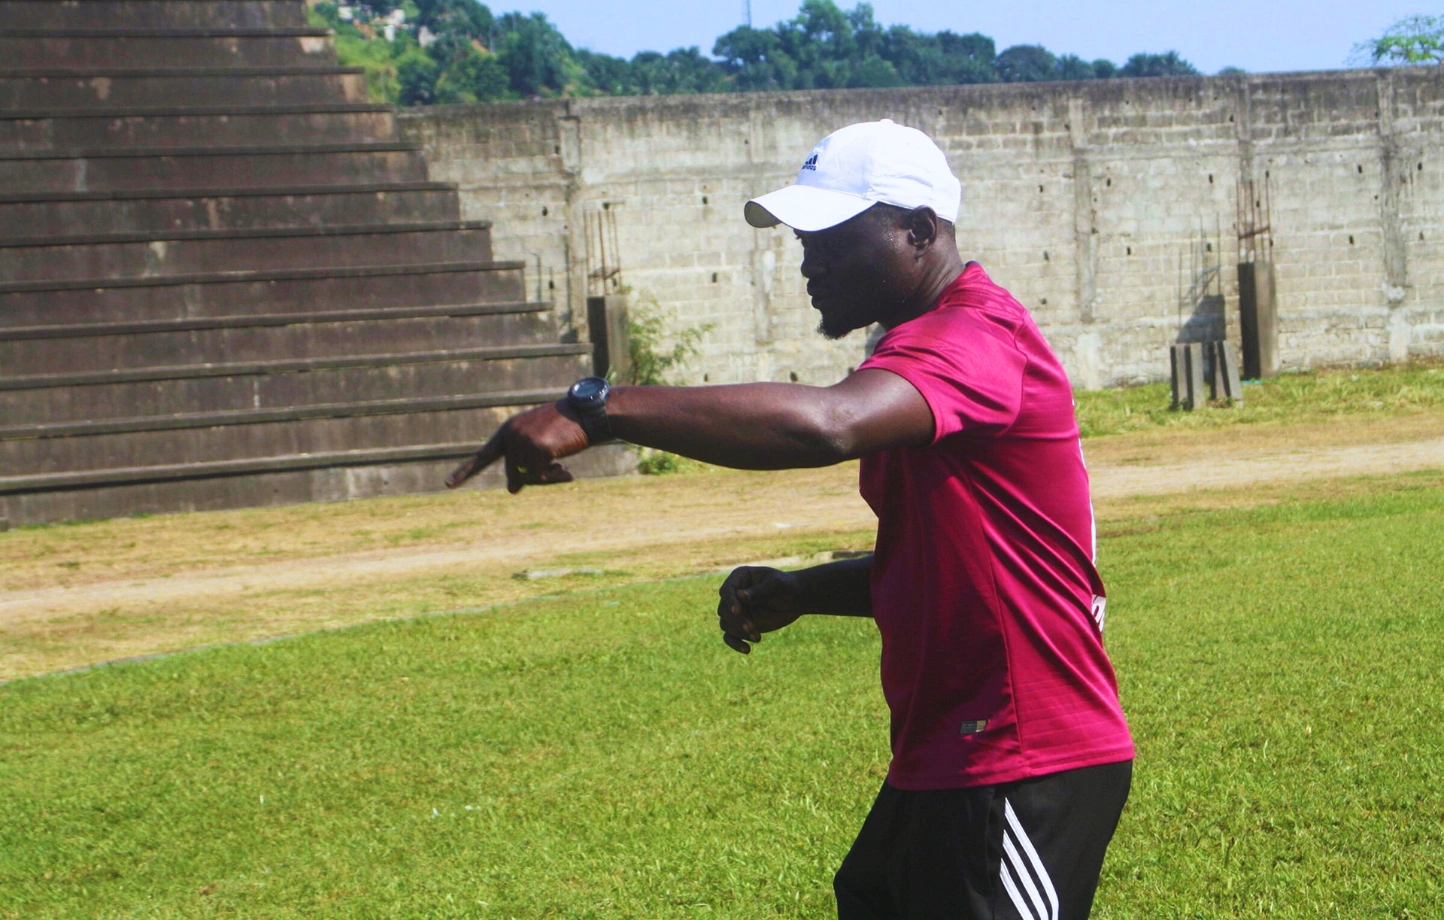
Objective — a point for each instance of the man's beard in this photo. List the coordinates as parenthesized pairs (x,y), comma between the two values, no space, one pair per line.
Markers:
(833,326)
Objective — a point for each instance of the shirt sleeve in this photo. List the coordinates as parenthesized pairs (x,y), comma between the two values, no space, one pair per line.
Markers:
(969,370)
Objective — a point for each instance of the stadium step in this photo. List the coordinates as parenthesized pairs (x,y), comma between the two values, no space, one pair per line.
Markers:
(317,476)
(259,167)
(324,123)
(138,475)
(230,293)
(208,437)
(223,282)
(223,208)
(51,399)
(152,14)
(23,49)
(236,321)
(27,355)
(21,93)
(158,256)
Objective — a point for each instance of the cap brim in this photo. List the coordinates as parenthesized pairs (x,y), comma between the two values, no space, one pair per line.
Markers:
(805,208)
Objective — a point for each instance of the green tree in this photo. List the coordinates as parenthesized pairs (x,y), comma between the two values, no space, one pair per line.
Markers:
(1415,40)
(825,46)
(536,56)
(444,17)
(943,58)
(868,36)
(468,74)
(755,60)
(874,72)
(1027,64)
(417,78)
(603,74)
(683,70)
(1168,64)
(1072,67)
(970,58)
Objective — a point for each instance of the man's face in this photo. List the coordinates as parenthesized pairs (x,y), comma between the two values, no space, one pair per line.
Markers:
(856,271)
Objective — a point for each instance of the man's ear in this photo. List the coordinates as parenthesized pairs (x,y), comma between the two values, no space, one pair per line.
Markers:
(922,224)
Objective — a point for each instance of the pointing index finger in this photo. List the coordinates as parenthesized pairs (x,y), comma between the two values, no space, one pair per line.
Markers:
(490,452)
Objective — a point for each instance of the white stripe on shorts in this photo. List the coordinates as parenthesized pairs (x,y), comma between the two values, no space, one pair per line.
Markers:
(1013,892)
(1021,863)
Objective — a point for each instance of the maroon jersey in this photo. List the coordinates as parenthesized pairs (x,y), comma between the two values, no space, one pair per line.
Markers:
(984,584)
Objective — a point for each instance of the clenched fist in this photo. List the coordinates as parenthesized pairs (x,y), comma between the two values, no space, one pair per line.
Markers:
(754,601)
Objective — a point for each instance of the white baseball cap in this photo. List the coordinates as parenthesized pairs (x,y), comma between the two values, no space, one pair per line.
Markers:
(853,169)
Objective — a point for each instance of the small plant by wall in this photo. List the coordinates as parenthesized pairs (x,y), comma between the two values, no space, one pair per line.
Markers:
(654,364)
(658,354)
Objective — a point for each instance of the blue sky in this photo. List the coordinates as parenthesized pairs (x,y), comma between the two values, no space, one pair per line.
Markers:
(1257,35)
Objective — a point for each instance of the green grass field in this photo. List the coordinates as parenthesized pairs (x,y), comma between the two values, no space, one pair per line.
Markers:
(1294,398)
(602,755)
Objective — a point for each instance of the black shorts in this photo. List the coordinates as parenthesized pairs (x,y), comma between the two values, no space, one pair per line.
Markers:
(1030,850)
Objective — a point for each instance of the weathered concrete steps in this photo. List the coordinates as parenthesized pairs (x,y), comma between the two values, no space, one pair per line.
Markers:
(224,282)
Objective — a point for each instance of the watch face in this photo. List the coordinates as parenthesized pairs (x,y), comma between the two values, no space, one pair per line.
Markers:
(589,388)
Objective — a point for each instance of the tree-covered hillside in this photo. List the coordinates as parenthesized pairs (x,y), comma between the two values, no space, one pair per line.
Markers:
(448,51)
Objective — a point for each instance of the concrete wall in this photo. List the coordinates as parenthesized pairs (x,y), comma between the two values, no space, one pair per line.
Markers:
(1101,205)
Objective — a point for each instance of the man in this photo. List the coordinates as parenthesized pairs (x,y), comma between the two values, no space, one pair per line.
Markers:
(1011,757)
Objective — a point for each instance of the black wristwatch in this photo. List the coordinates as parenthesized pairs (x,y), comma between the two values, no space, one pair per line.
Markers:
(589,397)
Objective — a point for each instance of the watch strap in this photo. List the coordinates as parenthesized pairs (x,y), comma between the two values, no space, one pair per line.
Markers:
(596,425)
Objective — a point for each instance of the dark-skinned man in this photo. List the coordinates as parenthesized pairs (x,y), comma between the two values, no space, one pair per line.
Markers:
(1011,759)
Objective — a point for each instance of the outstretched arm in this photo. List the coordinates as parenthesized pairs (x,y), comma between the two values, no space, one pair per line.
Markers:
(748,426)
(776,425)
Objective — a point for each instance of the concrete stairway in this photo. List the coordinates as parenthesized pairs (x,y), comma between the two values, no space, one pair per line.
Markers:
(223,282)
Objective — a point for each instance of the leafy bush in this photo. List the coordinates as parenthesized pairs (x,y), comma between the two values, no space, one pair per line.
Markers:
(652,362)
(653,365)
(658,462)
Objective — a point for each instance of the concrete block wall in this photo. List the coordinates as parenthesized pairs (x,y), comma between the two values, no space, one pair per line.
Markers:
(1097,204)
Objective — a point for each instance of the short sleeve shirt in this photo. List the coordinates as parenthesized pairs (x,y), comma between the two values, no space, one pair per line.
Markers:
(984,584)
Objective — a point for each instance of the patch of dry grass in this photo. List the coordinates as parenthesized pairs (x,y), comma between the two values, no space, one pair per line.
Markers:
(542,521)
(224,609)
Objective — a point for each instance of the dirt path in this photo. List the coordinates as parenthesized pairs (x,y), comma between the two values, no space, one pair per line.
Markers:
(505,553)
(96,612)
(1119,480)
(716,515)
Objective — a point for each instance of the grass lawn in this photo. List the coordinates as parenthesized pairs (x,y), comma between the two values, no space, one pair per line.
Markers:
(603,755)
(1289,399)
